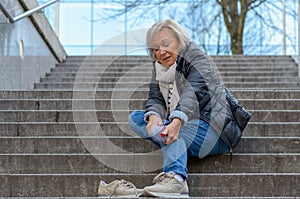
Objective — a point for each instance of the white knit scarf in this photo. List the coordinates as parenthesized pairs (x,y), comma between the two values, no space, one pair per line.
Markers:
(166,76)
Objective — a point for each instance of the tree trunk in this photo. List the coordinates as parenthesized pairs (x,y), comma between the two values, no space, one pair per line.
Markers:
(236,40)
(234,13)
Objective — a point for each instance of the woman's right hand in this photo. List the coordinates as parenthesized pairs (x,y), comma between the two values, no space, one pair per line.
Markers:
(153,121)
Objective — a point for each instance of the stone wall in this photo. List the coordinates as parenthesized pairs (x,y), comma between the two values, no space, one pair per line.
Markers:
(28,48)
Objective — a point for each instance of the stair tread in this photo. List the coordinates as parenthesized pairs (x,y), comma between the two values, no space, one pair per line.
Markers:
(200,185)
(45,153)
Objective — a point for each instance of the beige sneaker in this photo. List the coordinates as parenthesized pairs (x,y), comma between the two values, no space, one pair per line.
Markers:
(118,188)
(166,185)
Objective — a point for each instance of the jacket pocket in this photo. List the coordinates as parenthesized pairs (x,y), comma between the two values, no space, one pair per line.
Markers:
(231,134)
(240,114)
(236,121)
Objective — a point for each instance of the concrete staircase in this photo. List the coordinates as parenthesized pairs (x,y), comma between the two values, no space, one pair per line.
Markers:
(61,138)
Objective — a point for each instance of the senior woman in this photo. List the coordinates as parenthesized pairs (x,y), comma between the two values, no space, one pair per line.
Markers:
(181,116)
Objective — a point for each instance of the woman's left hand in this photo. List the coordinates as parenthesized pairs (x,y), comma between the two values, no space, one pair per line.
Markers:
(172,130)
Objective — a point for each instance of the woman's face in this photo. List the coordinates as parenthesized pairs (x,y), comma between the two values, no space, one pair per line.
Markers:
(166,47)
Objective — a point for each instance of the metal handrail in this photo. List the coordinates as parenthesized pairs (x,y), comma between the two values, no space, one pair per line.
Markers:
(25,14)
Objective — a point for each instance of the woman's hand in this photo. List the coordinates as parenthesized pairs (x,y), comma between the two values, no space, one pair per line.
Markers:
(172,131)
(154,121)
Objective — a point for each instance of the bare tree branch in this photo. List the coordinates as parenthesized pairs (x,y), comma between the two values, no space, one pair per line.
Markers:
(203,18)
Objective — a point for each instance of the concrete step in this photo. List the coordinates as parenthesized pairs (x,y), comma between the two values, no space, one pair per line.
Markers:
(219,57)
(200,185)
(148,69)
(147,79)
(44,153)
(260,58)
(149,64)
(269,64)
(117,144)
(122,128)
(136,94)
(95,163)
(135,59)
(50,145)
(94,85)
(122,115)
(143,60)
(231,58)
(281,129)
(145,84)
(223,74)
(131,104)
(75,104)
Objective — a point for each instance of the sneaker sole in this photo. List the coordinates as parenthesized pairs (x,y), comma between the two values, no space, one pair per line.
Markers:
(166,195)
(119,196)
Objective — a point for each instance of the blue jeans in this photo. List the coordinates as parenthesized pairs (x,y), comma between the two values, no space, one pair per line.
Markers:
(196,138)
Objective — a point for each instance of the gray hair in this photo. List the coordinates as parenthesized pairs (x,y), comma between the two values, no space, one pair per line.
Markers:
(172,25)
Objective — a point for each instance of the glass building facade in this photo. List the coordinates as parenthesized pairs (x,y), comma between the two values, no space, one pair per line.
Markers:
(87,27)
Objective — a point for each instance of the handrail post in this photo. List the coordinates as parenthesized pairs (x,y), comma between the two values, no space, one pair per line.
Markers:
(25,14)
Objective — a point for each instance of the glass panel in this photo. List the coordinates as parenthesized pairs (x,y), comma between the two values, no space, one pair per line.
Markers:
(82,23)
(108,35)
(75,23)
(106,29)
(49,12)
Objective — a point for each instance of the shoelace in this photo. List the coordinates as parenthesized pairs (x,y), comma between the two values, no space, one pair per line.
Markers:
(127,184)
(163,177)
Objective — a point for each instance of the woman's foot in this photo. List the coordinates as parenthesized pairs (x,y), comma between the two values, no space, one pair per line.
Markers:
(166,185)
